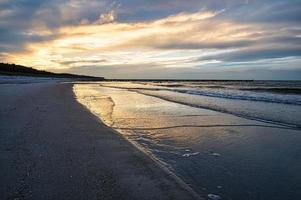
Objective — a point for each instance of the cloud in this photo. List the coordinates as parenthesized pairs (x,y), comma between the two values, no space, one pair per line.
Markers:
(199,32)
(255,54)
(108,17)
(75,62)
(266,11)
(184,35)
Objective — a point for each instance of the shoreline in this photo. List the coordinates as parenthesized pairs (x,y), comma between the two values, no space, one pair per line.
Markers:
(135,145)
(54,148)
(155,160)
(214,152)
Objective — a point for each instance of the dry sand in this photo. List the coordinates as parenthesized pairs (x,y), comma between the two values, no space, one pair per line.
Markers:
(53,148)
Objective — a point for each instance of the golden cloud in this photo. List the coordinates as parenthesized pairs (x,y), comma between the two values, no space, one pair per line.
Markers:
(172,41)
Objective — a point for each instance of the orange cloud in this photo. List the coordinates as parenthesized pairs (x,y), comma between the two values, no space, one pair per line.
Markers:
(175,41)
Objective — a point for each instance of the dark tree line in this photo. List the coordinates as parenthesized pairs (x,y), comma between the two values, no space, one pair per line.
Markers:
(12,69)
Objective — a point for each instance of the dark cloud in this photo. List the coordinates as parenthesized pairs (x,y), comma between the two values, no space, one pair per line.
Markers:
(248,11)
(257,11)
(80,62)
(205,45)
(14,40)
(252,54)
(265,41)
(19,17)
(16,18)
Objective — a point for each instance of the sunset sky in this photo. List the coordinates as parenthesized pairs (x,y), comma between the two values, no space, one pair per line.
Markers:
(214,39)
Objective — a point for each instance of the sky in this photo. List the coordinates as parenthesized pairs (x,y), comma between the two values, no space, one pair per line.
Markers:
(173,39)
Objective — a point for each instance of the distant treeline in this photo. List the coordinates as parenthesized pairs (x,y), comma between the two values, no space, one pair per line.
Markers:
(18,70)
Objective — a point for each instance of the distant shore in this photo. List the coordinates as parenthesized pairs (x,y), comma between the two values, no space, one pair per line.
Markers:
(53,148)
(7,69)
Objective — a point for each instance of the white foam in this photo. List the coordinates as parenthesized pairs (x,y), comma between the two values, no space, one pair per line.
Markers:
(214,197)
(190,154)
(215,154)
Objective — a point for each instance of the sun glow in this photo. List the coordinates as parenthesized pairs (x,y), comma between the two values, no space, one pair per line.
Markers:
(184,40)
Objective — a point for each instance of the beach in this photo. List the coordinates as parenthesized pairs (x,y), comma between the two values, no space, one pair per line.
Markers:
(52,147)
(65,139)
(150,100)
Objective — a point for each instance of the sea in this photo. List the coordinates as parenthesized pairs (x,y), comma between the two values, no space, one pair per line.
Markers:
(232,140)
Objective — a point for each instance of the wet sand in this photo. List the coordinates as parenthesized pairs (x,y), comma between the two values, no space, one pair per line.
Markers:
(53,148)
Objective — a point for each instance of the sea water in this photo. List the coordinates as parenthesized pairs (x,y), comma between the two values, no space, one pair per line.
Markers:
(235,139)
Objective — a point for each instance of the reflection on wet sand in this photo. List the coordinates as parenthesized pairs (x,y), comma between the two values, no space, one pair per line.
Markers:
(214,152)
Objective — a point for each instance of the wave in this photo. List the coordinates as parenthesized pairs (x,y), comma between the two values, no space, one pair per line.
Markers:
(276,109)
(276,90)
(239,94)
(232,94)
(247,111)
